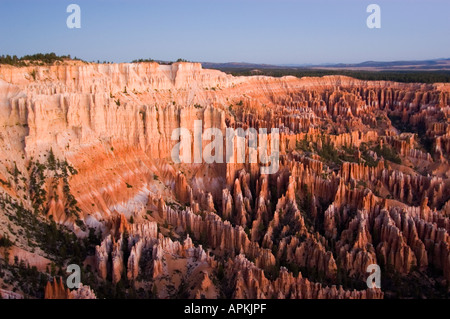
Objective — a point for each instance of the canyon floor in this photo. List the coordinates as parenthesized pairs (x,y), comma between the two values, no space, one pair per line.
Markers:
(87,178)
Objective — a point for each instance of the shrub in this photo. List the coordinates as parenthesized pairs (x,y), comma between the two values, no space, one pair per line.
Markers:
(33,74)
(5,242)
(388,153)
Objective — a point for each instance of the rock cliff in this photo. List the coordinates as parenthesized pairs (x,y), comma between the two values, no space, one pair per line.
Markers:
(363,179)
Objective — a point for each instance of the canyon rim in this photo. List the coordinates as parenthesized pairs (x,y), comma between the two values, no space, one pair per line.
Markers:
(87,178)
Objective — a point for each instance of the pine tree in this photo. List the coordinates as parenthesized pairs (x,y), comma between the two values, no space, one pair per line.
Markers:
(51,160)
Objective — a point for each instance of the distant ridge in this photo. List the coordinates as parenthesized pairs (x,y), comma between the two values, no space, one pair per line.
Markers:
(421,65)
(238,65)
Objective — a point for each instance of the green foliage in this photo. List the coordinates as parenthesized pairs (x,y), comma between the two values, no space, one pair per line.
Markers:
(362,184)
(37,180)
(303,145)
(33,74)
(60,171)
(261,228)
(5,183)
(36,59)
(220,272)
(272,272)
(80,224)
(420,129)
(11,60)
(247,231)
(5,242)
(369,160)
(15,173)
(397,122)
(204,239)
(28,279)
(388,153)
(154,292)
(142,60)
(293,268)
(51,160)
(427,143)
(305,206)
(397,76)
(58,242)
(348,154)
(328,152)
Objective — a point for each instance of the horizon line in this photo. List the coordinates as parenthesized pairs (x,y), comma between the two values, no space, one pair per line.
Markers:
(239,62)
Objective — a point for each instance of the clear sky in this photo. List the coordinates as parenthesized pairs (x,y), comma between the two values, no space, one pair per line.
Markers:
(259,31)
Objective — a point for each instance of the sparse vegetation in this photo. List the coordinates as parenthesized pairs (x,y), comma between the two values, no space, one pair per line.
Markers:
(388,153)
(5,242)
(33,74)
(397,76)
(35,59)
(142,60)
(59,172)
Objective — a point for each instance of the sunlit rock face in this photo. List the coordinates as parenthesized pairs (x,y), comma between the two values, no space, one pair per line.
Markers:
(363,179)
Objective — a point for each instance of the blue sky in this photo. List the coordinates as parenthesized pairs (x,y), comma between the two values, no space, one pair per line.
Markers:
(259,31)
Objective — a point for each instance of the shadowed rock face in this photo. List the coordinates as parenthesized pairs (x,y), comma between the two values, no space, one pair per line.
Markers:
(56,290)
(363,179)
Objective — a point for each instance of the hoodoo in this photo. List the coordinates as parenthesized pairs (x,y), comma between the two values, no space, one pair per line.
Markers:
(87,176)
